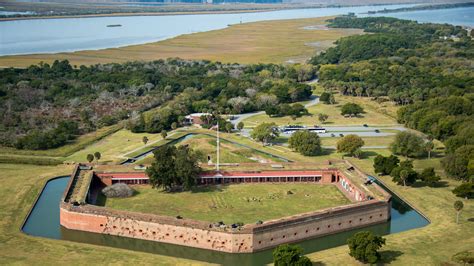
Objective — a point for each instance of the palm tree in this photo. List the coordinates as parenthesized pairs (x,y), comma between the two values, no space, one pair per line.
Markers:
(404,176)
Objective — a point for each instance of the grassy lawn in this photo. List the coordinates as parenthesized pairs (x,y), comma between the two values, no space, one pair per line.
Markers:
(245,203)
(375,114)
(430,245)
(66,150)
(369,141)
(258,42)
(114,147)
(20,186)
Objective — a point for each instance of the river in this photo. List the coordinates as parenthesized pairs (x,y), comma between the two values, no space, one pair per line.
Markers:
(75,34)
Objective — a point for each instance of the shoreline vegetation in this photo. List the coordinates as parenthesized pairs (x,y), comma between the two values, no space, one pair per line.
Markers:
(62,10)
(423,7)
(276,41)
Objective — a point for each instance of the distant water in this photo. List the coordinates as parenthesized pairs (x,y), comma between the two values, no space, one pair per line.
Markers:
(75,34)
(463,16)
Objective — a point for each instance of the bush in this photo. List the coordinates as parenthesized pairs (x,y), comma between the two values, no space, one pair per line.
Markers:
(364,246)
(286,255)
(465,190)
(118,190)
(465,257)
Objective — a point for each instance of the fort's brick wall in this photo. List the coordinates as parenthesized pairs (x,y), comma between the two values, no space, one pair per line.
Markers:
(198,234)
(250,238)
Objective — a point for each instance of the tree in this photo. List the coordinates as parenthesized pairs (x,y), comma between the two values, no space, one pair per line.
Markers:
(428,175)
(289,255)
(458,205)
(358,153)
(364,246)
(465,190)
(174,125)
(409,175)
(240,126)
(164,134)
(322,118)
(408,144)
(174,168)
(325,97)
(97,155)
(229,127)
(306,142)
(456,164)
(145,140)
(404,176)
(351,109)
(90,157)
(429,146)
(385,165)
(349,144)
(265,132)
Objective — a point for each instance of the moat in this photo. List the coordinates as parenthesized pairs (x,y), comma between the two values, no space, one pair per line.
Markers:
(43,221)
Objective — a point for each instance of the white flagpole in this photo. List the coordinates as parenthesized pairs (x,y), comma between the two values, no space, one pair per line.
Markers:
(218,144)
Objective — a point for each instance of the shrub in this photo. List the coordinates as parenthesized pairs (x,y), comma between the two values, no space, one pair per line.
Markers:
(118,190)
(364,246)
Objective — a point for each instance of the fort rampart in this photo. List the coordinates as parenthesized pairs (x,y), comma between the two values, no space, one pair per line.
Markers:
(249,238)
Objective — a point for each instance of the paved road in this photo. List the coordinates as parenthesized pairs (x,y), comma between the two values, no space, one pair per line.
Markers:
(238,118)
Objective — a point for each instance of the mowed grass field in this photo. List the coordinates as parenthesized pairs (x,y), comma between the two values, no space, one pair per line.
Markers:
(259,42)
(206,146)
(369,141)
(245,203)
(375,114)
(21,184)
(434,244)
(116,146)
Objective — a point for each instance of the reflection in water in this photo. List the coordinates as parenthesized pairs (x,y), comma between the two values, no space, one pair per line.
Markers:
(44,221)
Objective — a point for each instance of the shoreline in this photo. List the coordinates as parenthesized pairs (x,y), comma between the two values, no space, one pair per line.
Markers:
(145,14)
(202,12)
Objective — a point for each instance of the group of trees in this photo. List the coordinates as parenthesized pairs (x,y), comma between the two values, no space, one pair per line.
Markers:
(426,68)
(34,101)
(351,109)
(90,157)
(174,168)
(294,110)
(403,172)
(364,246)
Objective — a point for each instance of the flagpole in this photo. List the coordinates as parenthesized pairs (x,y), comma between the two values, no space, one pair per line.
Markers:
(218,144)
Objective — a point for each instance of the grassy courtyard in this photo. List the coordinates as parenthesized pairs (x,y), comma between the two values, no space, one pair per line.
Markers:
(245,203)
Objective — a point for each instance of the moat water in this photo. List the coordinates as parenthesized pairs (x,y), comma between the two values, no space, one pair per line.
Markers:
(43,221)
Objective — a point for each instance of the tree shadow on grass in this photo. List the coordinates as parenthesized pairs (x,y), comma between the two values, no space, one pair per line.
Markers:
(389,256)
(440,184)
(209,188)
(317,263)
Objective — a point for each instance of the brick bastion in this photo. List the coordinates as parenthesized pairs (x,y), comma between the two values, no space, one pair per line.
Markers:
(369,205)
